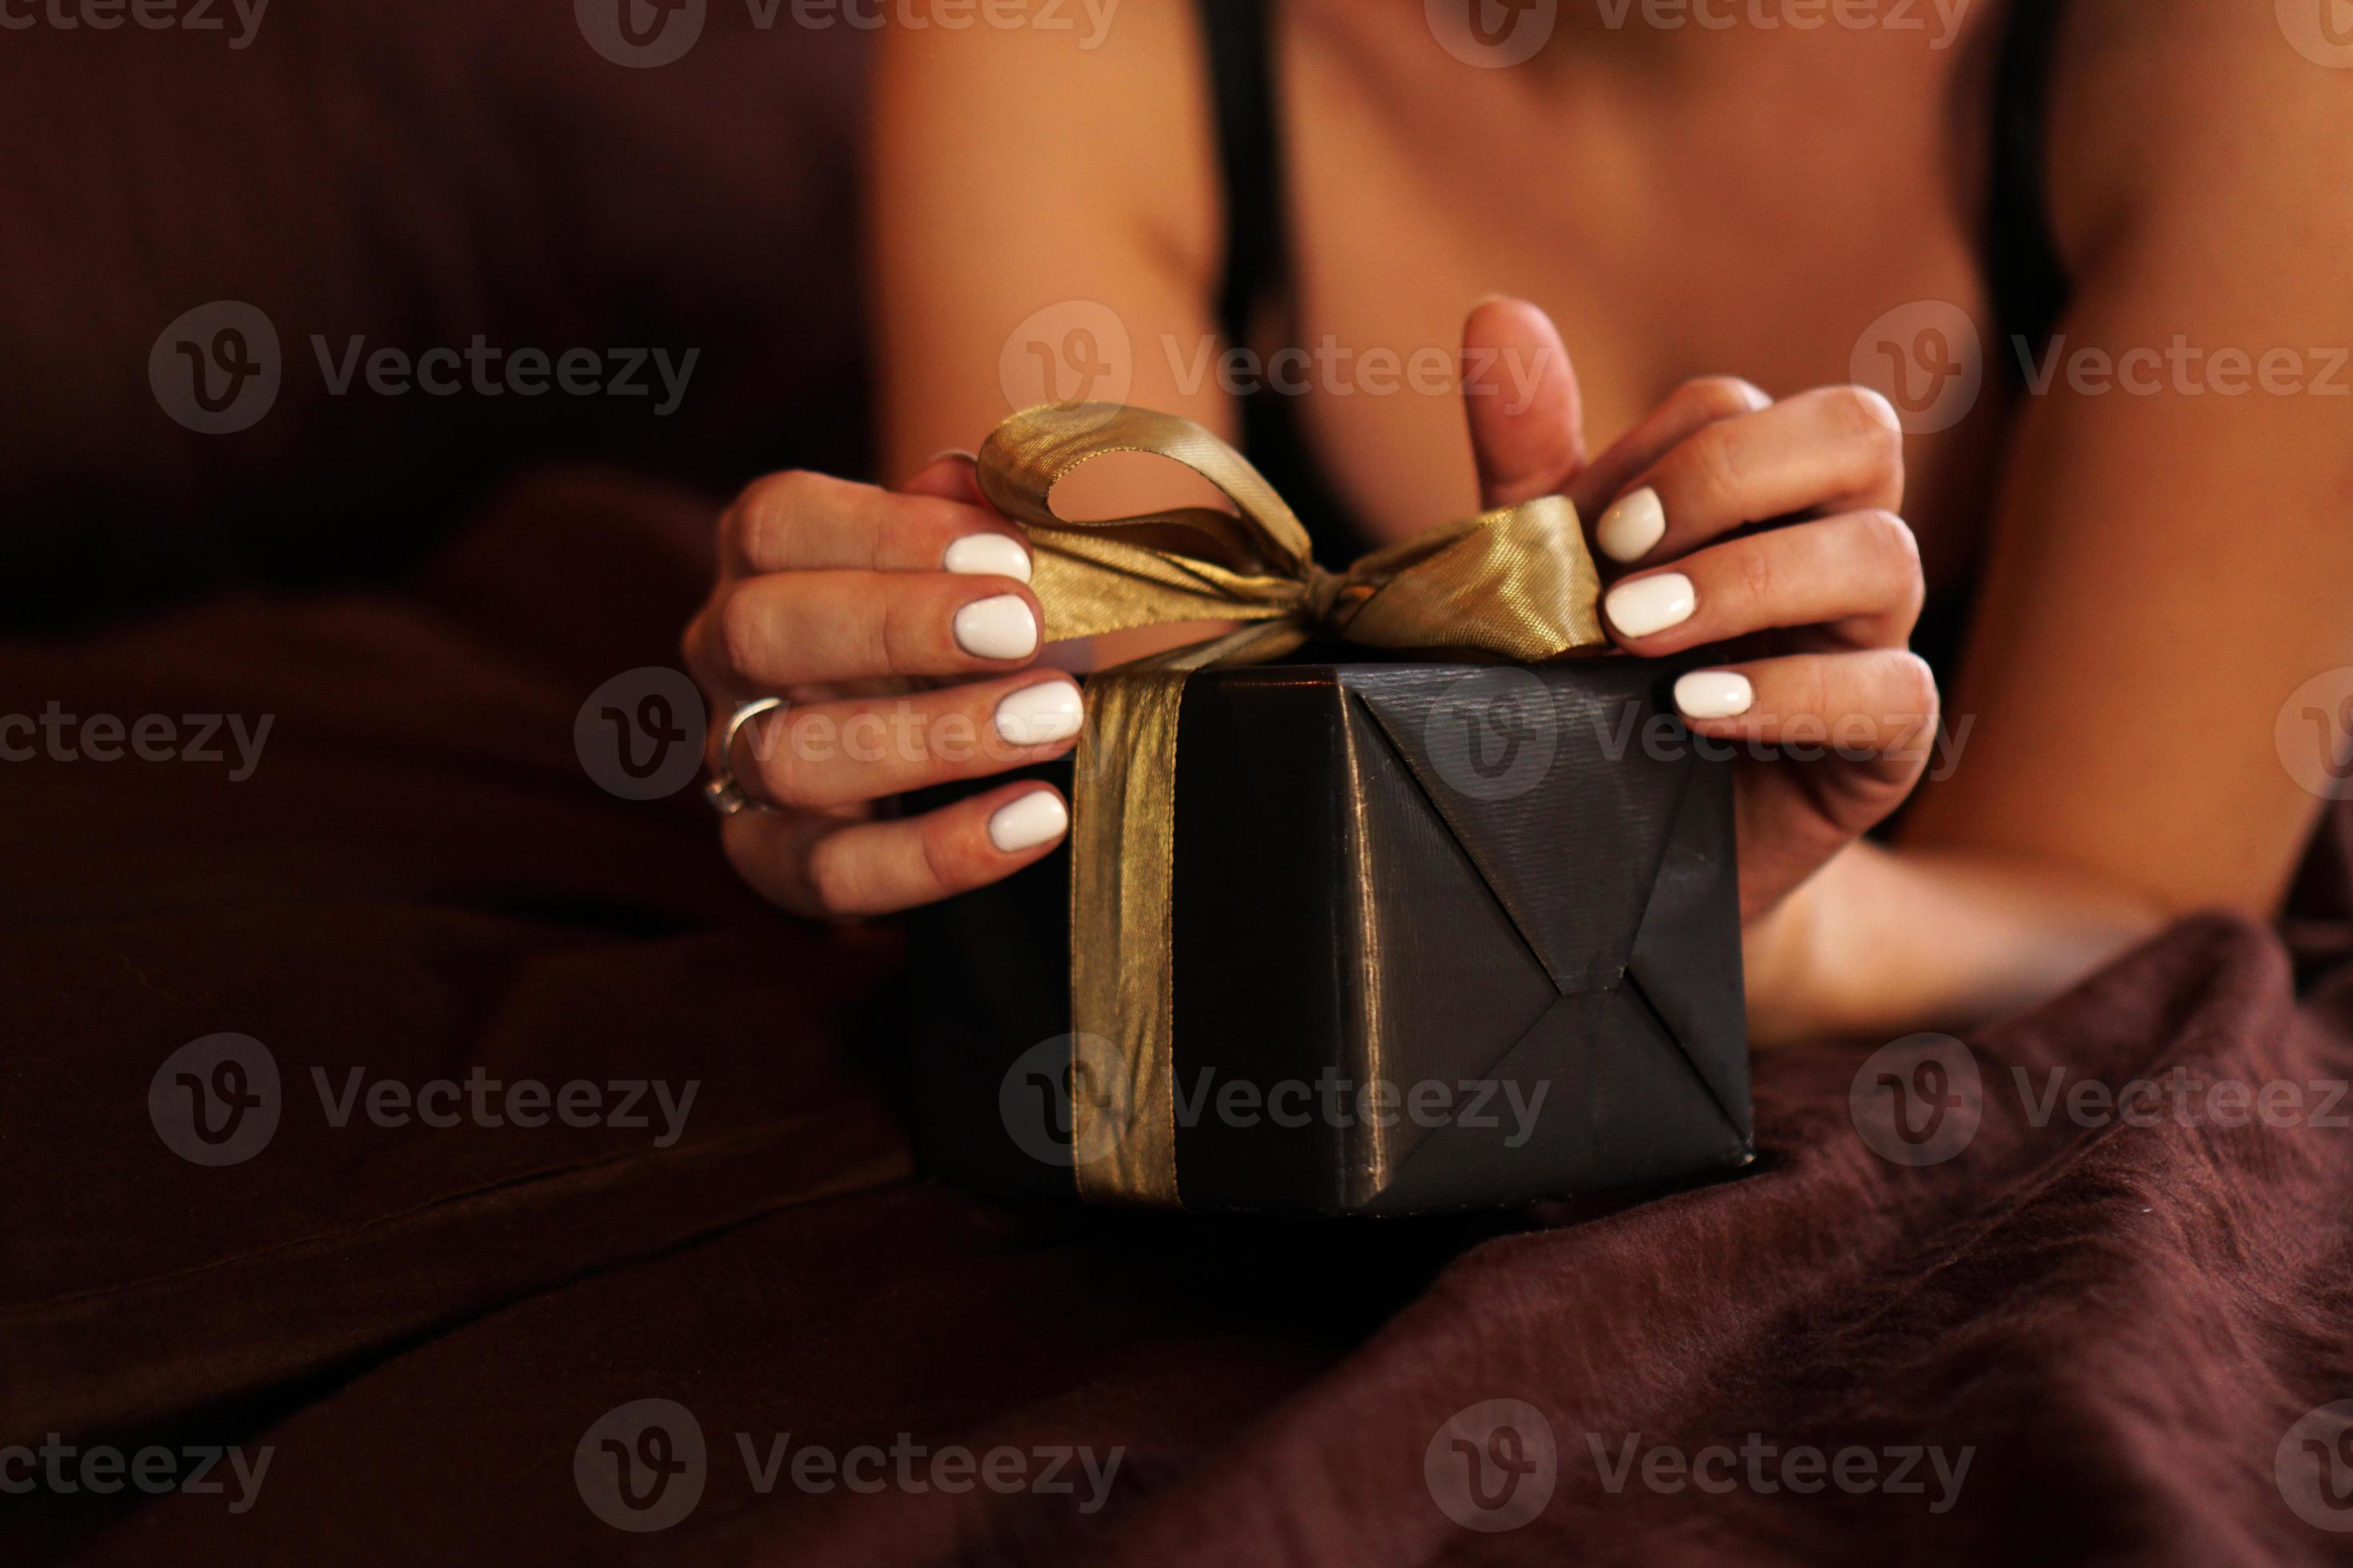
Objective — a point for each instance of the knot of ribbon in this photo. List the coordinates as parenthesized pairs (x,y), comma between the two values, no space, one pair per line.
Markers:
(1516,584)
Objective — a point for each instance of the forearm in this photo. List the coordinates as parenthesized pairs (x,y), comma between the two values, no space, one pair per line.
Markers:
(1883,942)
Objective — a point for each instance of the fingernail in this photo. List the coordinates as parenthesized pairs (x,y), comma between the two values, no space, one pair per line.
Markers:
(950,452)
(1632,529)
(1037,817)
(988,555)
(1000,628)
(1648,605)
(1713,694)
(1040,715)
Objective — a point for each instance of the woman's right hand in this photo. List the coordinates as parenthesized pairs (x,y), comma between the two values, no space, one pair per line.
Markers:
(899,630)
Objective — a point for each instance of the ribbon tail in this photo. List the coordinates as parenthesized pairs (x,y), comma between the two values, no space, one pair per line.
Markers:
(1123,878)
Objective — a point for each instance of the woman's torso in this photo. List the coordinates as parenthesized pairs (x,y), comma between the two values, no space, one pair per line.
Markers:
(1744,203)
(1794,208)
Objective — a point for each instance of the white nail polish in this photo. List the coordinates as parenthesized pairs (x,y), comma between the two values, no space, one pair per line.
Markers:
(1040,715)
(1632,529)
(988,555)
(1650,604)
(1713,694)
(1001,627)
(1036,818)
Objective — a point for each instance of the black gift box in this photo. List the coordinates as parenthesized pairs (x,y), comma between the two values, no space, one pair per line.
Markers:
(1445,936)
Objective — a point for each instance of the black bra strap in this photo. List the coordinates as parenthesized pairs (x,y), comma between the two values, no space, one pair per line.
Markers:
(1238,36)
(2023,267)
(1261,288)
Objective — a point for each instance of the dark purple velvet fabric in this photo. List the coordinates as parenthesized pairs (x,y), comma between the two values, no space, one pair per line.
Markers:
(2120,1325)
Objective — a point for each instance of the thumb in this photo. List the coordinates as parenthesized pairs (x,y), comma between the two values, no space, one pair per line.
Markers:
(952,475)
(1520,396)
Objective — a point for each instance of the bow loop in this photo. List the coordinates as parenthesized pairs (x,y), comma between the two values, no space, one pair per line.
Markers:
(1515,584)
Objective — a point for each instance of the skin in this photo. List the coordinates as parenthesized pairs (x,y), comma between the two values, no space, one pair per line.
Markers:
(1711,220)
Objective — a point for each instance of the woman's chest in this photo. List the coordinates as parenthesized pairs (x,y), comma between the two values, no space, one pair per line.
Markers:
(1796,239)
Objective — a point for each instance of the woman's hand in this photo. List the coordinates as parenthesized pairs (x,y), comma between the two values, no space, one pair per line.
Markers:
(1834,717)
(898,629)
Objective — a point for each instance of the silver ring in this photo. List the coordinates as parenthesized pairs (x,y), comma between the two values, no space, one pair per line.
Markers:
(726,797)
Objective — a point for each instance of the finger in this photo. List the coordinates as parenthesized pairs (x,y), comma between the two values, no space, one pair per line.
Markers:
(1871,714)
(1874,707)
(1521,397)
(842,866)
(954,475)
(1855,576)
(1689,409)
(814,522)
(1834,449)
(828,754)
(766,634)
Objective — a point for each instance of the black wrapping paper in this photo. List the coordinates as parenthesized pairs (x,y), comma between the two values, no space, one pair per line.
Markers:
(1446,936)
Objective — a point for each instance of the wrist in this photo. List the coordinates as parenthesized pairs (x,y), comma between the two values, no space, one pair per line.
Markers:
(1881,943)
(1779,952)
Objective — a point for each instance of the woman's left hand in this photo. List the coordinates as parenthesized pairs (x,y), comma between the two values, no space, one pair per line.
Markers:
(1833,715)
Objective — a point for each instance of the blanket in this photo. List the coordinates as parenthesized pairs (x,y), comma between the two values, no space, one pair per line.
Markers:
(306,1261)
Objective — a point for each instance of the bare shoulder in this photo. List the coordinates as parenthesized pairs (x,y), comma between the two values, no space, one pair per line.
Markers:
(1043,197)
(1050,117)
(2169,115)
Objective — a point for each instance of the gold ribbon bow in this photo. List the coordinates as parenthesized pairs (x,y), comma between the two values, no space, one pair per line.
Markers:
(1515,584)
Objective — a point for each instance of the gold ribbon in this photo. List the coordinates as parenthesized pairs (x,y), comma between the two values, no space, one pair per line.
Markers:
(1516,584)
